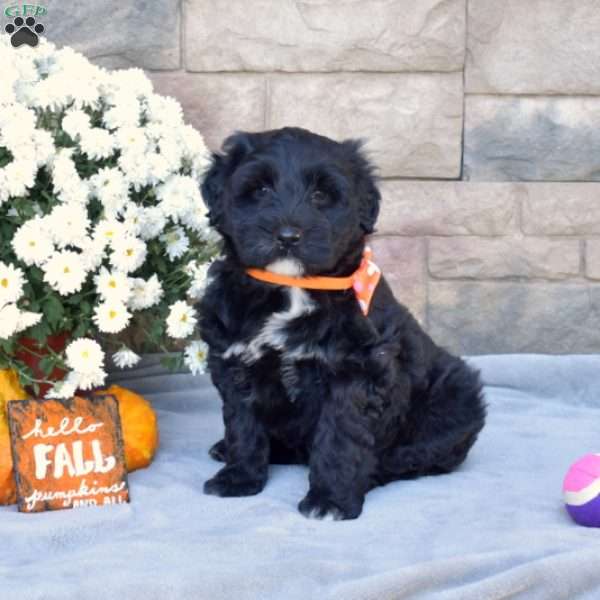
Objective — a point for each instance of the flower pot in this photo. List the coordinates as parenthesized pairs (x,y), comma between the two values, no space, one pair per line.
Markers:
(31,353)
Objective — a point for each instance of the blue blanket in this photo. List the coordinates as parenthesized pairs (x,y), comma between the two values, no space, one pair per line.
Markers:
(496,528)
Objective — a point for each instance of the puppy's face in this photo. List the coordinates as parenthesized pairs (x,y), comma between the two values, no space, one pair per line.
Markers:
(291,201)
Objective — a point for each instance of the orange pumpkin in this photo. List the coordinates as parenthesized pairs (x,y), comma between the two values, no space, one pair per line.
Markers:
(10,389)
(138,421)
(140,429)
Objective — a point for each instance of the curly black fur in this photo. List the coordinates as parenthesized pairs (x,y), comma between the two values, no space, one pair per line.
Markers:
(304,376)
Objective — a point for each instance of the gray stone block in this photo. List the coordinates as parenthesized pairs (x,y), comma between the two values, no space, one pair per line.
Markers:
(532,139)
(592,259)
(489,318)
(561,209)
(499,258)
(115,34)
(402,261)
(217,104)
(412,122)
(449,208)
(325,35)
(539,47)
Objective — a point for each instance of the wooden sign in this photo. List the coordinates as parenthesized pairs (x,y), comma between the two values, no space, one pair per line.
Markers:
(67,453)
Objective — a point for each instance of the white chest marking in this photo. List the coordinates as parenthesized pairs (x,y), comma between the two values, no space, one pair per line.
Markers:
(272,333)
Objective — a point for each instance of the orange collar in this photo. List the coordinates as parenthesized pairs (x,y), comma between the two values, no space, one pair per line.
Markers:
(364,280)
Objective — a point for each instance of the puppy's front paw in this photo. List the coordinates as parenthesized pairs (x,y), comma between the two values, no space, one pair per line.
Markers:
(218,451)
(234,481)
(316,505)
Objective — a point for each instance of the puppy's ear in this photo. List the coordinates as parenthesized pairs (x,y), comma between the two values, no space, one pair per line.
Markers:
(365,182)
(234,149)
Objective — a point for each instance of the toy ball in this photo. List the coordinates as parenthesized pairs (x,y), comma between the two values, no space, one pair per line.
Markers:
(581,490)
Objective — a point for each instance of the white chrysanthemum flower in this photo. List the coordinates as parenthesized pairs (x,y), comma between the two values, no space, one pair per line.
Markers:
(65,388)
(199,282)
(126,358)
(84,356)
(64,272)
(178,196)
(124,112)
(153,222)
(176,242)
(145,294)
(89,381)
(111,316)
(133,217)
(113,286)
(9,317)
(128,254)
(69,224)
(31,243)
(195,357)
(76,122)
(27,319)
(69,187)
(131,140)
(181,320)
(11,283)
(196,219)
(20,176)
(97,143)
(110,187)
(164,109)
(109,230)
(93,251)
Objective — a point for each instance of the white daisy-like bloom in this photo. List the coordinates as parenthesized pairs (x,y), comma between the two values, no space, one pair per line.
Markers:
(113,286)
(111,317)
(93,252)
(65,388)
(11,283)
(153,222)
(196,219)
(20,176)
(110,187)
(163,109)
(109,230)
(133,216)
(131,140)
(181,320)
(69,187)
(27,319)
(68,223)
(31,243)
(195,357)
(76,122)
(97,143)
(176,242)
(124,112)
(89,381)
(177,196)
(9,318)
(200,280)
(145,294)
(128,254)
(136,168)
(84,356)
(64,272)
(126,358)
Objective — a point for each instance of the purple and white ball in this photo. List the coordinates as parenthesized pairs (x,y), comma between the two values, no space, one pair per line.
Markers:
(581,490)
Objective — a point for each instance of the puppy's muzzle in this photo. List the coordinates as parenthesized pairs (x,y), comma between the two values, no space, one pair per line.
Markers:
(289,236)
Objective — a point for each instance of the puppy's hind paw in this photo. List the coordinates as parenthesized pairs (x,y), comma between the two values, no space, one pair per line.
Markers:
(317,506)
(234,481)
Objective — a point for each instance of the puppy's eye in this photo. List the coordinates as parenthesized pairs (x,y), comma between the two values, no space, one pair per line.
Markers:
(262,191)
(320,198)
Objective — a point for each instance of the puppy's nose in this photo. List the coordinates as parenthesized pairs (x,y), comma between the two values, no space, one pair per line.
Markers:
(289,235)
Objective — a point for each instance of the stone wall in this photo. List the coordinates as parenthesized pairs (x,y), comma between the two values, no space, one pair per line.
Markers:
(483,116)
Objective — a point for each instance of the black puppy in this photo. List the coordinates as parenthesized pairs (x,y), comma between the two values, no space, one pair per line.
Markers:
(304,375)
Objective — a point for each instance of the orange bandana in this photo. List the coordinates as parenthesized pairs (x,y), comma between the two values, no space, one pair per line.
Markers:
(364,280)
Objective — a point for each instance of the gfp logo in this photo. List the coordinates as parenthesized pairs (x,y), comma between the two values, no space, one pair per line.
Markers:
(24,29)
